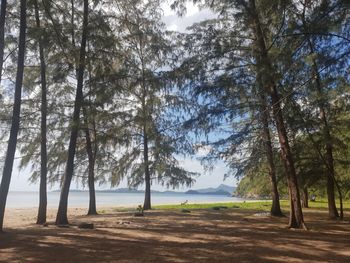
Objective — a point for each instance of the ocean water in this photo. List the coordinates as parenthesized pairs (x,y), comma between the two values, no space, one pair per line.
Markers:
(104,199)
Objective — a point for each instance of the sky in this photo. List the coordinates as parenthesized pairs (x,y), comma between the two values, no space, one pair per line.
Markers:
(214,178)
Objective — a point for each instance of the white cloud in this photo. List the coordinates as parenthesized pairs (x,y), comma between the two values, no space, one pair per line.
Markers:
(193,15)
(203,150)
(172,27)
(191,10)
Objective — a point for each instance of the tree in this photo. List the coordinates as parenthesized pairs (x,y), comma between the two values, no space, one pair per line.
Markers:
(11,148)
(91,165)
(257,33)
(43,152)
(102,60)
(151,140)
(275,208)
(223,70)
(2,34)
(264,64)
(61,217)
(62,65)
(317,30)
(332,209)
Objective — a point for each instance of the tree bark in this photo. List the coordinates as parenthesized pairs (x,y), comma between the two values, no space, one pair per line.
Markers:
(275,208)
(2,34)
(61,218)
(11,147)
(41,218)
(91,168)
(296,219)
(147,202)
(305,198)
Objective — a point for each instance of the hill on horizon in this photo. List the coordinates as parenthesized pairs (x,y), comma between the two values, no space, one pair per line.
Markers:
(222,189)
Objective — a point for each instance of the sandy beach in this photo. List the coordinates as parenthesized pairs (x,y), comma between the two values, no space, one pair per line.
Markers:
(229,235)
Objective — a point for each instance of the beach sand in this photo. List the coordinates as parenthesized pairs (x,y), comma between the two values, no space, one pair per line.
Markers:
(229,235)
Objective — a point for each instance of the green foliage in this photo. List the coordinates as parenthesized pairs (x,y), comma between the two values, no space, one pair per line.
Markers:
(220,72)
(151,96)
(148,141)
(257,184)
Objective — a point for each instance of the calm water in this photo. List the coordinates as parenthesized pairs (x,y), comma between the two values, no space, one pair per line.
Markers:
(81,199)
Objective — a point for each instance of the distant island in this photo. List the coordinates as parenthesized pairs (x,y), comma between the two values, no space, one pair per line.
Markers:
(222,189)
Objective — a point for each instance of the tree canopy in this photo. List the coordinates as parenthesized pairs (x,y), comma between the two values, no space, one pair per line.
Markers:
(110,94)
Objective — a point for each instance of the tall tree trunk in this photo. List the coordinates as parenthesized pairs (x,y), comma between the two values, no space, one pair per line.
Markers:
(91,168)
(91,151)
(318,150)
(147,202)
(296,219)
(2,34)
(11,148)
(340,200)
(41,219)
(305,197)
(275,208)
(332,209)
(61,218)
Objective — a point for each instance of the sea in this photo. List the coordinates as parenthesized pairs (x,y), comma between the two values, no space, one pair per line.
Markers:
(107,199)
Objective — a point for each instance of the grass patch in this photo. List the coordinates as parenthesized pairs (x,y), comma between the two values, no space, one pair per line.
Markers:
(263,206)
(322,203)
(250,205)
(259,205)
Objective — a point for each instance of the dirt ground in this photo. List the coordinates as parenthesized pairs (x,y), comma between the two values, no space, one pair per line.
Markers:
(230,235)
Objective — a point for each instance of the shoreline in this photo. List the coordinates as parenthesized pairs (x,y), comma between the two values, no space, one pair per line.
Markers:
(81,200)
(132,206)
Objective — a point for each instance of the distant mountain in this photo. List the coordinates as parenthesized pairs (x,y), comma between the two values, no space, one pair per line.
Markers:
(127,190)
(169,192)
(192,192)
(206,190)
(220,190)
(226,188)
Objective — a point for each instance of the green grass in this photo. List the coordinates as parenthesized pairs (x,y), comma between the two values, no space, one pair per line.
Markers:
(249,205)
(322,203)
(261,205)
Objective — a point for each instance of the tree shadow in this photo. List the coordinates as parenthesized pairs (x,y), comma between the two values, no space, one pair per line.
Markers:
(168,236)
